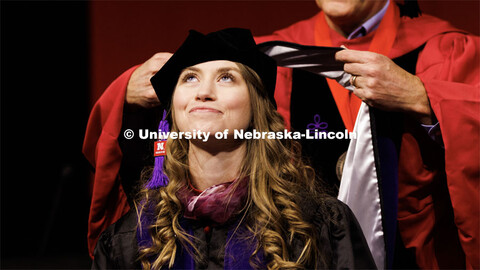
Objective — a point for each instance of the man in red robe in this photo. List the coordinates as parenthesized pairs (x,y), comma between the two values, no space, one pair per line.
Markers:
(437,86)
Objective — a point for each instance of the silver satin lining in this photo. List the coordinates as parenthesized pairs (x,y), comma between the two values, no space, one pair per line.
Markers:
(359,186)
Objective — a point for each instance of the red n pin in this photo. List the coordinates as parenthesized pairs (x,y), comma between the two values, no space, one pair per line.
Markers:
(160,148)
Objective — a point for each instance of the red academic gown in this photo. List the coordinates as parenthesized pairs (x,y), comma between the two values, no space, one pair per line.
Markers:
(448,67)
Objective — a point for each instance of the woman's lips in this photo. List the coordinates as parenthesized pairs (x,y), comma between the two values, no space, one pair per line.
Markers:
(204,110)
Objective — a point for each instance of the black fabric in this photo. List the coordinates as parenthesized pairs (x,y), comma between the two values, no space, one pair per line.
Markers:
(410,8)
(387,131)
(233,44)
(341,239)
(117,246)
(320,59)
(310,97)
(211,243)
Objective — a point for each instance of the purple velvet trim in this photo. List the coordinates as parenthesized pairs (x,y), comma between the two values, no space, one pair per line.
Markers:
(237,252)
(159,179)
(239,249)
(183,259)
(147,218)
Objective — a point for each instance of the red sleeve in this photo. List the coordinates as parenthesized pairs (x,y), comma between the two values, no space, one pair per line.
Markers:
(102,150)
(449,69)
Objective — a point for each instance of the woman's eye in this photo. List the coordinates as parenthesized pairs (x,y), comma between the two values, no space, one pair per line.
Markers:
(190,78)
(227,78)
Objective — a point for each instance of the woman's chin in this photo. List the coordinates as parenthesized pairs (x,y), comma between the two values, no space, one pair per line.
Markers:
(204,126)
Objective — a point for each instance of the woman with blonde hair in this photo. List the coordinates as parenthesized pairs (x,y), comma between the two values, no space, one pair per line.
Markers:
(226,202)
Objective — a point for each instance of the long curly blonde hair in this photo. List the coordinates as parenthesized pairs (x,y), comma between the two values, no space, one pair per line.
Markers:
(277,176)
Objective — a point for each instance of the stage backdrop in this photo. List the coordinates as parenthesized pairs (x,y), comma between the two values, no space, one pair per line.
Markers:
(125,33)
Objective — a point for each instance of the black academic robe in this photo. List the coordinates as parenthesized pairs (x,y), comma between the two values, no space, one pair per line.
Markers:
(341,240)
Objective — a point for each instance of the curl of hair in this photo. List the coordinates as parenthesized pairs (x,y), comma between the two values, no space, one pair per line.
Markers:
(277,176)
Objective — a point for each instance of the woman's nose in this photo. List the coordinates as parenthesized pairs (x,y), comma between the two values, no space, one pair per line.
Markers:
(206,91)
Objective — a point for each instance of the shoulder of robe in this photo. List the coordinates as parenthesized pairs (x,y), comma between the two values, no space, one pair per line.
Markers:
(448,46)
(324,210)
(127,224)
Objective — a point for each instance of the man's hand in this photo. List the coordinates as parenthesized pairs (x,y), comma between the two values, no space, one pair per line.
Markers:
(382,84)
(139,89)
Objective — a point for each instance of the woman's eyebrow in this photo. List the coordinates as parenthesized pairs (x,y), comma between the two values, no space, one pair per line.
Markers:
(226,69)
(191,69)
(219,70)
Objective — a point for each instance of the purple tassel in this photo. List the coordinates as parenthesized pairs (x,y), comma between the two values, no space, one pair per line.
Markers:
(159,179)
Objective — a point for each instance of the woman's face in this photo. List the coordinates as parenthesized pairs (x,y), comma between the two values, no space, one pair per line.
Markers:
(212,97)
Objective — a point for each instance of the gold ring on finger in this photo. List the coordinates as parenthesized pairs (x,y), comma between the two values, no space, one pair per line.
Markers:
(354,78)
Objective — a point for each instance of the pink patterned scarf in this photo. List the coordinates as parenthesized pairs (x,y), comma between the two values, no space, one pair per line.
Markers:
(217,203)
